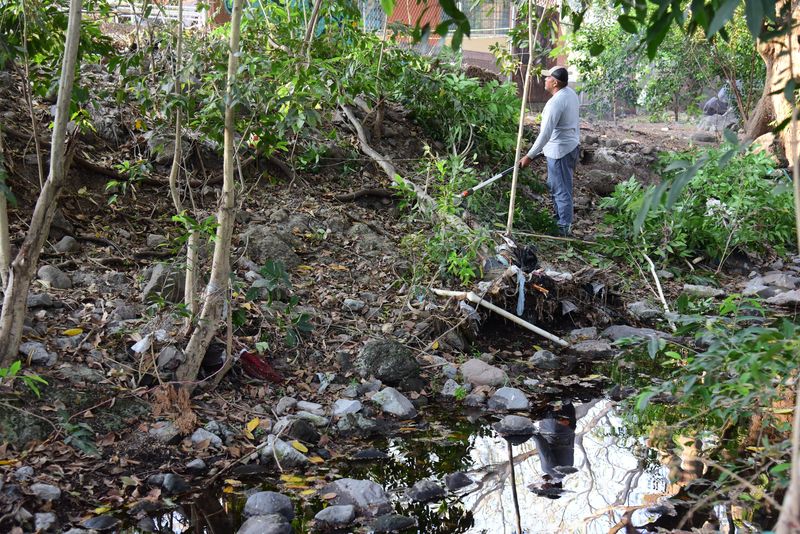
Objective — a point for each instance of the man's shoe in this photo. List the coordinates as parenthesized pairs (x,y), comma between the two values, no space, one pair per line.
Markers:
(564,231)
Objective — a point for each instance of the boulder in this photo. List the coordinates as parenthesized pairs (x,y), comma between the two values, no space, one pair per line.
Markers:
(368,497)
(643,310)
(515,425)
(201,435)
(388,361)
(280,451)
(174,484)
(268,503)
(702,291)
(593,348)
(345,406)
(266,524)
(579,334)
(508,399)
(393,523)
(264,245)
(457,480)
(479,373)
(54,277)
(617,332)
(337,516)
(395,403)
(39,300)
(68,244)
(298,429)
(425,491)
(45,492)
(37,353)
(357,423)
(789,299)
(544,359)
(47,521)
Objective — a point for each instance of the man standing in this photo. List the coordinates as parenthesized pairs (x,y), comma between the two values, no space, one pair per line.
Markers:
(558,139)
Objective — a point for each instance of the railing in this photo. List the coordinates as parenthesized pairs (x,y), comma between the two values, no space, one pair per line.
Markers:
(133,12)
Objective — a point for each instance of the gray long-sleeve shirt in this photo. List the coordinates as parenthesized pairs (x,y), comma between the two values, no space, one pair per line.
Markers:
(560,131)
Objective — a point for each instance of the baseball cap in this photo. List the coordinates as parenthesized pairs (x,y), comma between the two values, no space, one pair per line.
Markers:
(560,74)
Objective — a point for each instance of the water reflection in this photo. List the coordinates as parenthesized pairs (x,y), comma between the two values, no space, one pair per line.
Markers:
(607,477)
(578,473)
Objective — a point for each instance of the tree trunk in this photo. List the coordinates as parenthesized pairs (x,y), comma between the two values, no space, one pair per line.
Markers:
(189,295)
(217,289)
(24,265)
(5,242)
(789,518)
(781,56)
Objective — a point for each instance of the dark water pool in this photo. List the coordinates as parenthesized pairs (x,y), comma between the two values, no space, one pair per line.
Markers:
(613,475)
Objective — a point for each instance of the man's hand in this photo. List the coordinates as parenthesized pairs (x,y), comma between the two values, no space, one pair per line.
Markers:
(524,162)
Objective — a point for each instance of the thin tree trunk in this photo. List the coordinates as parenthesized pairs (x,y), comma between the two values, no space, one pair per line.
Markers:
(190,293)
(789,518)
(532,38)
(24,265)
(312,25)
(216,291)
(5,242)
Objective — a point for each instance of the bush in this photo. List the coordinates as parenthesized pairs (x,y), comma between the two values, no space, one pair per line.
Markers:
(730,203)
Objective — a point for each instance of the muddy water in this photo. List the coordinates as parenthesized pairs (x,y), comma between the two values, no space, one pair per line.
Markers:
(611,473)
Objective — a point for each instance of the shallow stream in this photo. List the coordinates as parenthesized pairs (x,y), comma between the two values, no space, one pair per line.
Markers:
(613,473)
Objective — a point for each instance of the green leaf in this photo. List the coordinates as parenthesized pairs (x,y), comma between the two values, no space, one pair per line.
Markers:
(722,15)
(644,400)
(628,23)
(754,12)
(780,468)
(388,7)
(730,136)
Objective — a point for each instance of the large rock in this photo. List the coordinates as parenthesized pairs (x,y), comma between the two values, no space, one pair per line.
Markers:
(789,299)
(67,245)
(264,245)
(395,403)
(345,406)
(356,423)
(46,492)
(479,373)
(718,123)
(54,277)
(388,361)
(458,480)
(601,182)
(393,523)
(298,429)
(544,359)
(166,281)
(266,524)
(621,331)
(508,399)
(515,425)
(337,516)
(425,491)
(37,353)
(367,496)
(203,436)
(593,348)
(268,503)
(280,451)
(643,310)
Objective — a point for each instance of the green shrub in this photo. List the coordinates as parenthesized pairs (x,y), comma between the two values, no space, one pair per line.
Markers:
(730,203)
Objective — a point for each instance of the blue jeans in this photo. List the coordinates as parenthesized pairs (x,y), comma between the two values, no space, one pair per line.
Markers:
(559,180)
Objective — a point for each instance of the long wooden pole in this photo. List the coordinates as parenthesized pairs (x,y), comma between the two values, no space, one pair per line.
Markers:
(532,36)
